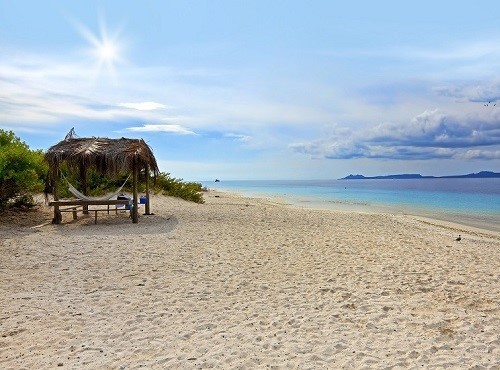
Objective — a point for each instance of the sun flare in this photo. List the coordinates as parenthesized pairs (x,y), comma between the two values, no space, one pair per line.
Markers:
(104,49)
(107,52)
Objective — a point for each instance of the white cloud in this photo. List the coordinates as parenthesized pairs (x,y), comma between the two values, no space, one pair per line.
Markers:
(172,129)
(147,105)
(488,94)
(238,137)
(480,154)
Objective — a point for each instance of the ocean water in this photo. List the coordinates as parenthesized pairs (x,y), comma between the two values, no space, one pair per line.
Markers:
(473,202)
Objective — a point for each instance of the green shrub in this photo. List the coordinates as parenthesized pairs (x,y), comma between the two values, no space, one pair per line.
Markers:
(171,186)
(22,171)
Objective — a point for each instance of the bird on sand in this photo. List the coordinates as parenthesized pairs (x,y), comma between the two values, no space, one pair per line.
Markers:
(459,238)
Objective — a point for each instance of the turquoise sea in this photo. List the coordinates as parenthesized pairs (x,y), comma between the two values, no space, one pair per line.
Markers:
(473,202)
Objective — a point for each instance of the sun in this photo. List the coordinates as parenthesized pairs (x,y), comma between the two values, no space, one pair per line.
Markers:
(107,52)
(105,49)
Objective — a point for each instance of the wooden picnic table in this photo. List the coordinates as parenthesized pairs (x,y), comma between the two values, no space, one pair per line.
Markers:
(72,205)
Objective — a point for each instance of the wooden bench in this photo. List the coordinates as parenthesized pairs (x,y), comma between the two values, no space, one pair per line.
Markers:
(74,205)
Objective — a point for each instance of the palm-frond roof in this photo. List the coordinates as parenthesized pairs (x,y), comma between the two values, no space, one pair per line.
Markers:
(106,156)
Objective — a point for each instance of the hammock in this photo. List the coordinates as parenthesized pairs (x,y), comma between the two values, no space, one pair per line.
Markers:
(82,196)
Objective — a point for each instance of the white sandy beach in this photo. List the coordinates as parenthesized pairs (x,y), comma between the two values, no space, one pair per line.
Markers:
(240,283)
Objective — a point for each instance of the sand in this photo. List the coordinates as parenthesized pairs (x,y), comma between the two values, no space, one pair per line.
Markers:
(240,283)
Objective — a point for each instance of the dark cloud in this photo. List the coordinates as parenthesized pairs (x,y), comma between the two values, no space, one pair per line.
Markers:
(430,135)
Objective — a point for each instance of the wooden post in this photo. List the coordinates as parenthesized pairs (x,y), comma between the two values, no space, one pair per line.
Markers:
(148,210)
(135,206)
(57,213)
(83,181)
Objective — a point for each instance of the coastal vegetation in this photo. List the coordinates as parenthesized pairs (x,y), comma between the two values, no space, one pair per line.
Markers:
(23,174)
(174,187)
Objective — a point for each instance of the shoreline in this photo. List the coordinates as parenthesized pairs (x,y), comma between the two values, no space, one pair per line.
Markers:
(241,282)
(453,220)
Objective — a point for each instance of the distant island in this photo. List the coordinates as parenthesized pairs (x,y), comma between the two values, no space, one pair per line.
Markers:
(479,175)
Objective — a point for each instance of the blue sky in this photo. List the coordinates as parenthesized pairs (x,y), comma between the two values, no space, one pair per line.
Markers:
(261,89)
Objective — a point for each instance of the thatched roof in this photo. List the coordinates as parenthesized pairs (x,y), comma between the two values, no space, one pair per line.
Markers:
(106,156)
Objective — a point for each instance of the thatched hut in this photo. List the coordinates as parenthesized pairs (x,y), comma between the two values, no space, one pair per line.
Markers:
(108,157)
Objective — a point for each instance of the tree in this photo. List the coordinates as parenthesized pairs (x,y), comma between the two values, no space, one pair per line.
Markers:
(22,171)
